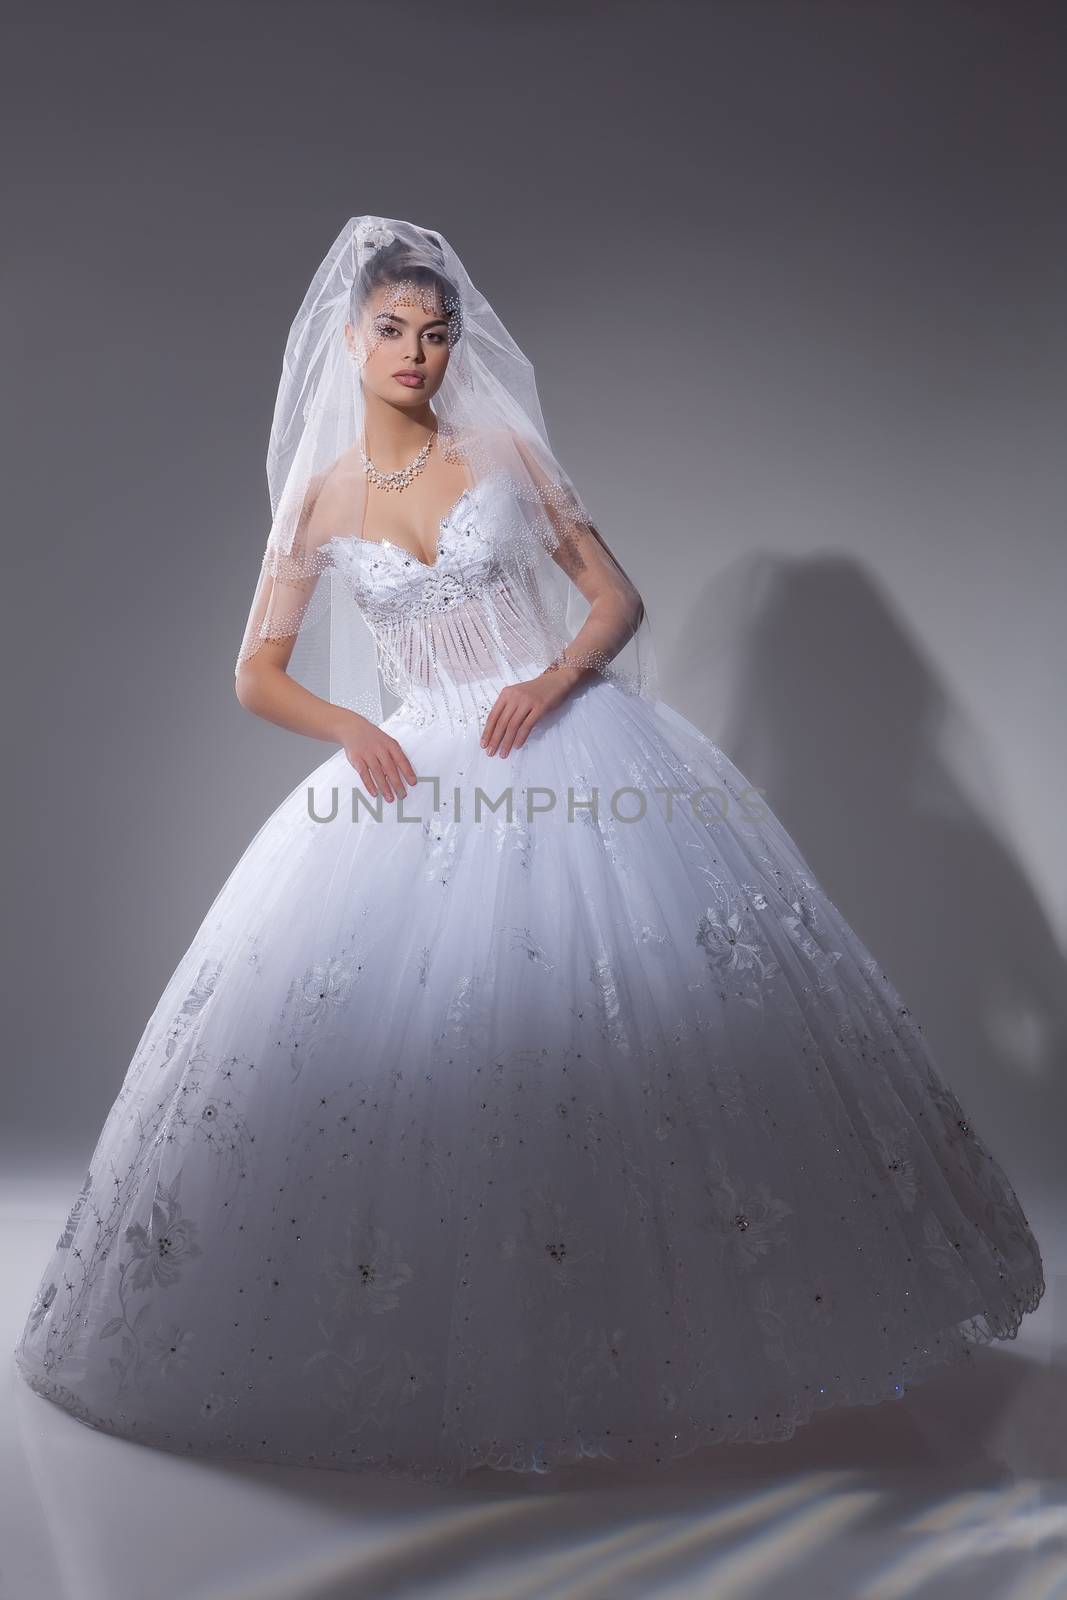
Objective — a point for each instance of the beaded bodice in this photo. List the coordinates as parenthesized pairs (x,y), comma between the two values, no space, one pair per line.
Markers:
(449,634)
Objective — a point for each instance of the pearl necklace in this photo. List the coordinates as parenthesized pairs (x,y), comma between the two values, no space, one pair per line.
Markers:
(402,476)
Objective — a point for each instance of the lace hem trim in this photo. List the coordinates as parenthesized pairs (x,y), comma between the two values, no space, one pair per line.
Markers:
(677,1438)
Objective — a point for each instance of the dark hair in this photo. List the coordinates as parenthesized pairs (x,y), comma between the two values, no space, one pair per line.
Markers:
(396,261)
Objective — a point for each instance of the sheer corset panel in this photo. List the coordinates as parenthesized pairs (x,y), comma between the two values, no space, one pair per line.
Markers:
(451,633)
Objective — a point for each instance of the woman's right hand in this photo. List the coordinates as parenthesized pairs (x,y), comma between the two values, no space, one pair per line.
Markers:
(377,757)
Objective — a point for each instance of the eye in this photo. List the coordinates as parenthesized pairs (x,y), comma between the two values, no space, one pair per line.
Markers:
(438,338)
(386,327)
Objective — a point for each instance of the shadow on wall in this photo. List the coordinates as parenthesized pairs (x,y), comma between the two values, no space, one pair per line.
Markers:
(820,694)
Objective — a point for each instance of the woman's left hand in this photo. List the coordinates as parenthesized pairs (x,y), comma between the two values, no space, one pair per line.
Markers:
(519,707)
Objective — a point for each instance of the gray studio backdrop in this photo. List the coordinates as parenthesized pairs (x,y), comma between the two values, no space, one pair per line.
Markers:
(816,251)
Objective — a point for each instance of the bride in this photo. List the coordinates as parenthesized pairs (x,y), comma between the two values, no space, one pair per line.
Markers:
(522,1096)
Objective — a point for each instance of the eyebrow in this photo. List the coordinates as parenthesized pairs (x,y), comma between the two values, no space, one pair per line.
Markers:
(392,316)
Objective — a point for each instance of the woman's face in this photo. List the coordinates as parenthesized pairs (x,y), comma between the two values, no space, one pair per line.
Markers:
(402,330)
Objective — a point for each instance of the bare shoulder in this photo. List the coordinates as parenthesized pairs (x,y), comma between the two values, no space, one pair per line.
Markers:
(333,502)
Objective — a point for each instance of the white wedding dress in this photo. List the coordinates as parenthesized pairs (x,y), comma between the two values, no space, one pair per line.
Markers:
(456,1141)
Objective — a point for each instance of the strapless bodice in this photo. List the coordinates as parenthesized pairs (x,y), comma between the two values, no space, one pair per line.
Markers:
(449,634)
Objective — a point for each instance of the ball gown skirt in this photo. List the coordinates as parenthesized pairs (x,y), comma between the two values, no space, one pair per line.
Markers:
(460,1141)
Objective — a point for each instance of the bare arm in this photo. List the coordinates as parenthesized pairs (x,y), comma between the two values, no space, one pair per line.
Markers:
(264,687)
(615,606)
(615,613)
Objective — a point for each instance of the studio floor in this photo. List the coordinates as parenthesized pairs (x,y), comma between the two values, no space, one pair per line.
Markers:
(957,1489)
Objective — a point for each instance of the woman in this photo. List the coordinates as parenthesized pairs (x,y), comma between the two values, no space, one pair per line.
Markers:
(502,1111)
